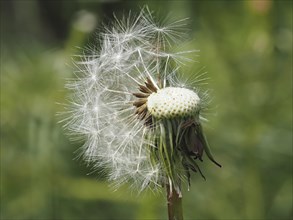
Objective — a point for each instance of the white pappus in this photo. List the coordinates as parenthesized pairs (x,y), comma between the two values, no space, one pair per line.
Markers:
(138,123)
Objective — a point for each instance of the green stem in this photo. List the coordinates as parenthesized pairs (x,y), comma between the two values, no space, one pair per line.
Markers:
(174,204)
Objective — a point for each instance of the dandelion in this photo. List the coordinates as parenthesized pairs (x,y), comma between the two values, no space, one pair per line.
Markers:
(138,120)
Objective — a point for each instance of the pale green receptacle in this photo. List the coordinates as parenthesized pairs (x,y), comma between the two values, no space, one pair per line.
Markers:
(173,102)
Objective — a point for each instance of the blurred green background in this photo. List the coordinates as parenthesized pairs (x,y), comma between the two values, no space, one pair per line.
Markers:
(245,46)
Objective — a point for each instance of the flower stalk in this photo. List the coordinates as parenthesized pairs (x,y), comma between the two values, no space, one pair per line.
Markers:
(175,211)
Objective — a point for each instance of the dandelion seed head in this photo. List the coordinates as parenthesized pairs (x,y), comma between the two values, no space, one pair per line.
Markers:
(130,107)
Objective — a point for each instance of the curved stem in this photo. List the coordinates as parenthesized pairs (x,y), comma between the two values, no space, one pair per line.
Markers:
(174,204)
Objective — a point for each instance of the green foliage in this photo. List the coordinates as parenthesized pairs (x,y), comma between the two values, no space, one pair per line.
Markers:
(246,47)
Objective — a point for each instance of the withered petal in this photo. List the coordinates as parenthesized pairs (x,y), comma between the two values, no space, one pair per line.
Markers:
(140,109)
(140,95)
(144,89)
(150,85)
(139,102)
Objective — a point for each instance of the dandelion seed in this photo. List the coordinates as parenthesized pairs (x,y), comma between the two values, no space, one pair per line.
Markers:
(138,120)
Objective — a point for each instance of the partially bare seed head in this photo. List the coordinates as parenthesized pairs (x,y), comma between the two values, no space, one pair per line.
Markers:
(173,102)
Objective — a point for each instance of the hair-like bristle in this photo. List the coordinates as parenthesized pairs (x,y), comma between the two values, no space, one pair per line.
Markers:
(107,110)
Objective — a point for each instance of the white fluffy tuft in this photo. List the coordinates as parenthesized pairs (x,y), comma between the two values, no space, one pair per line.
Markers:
(101,111)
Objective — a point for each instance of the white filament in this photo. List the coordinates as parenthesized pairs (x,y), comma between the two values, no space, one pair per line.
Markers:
(101,109)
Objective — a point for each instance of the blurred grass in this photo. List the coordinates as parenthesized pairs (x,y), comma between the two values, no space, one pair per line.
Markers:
(246,47)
